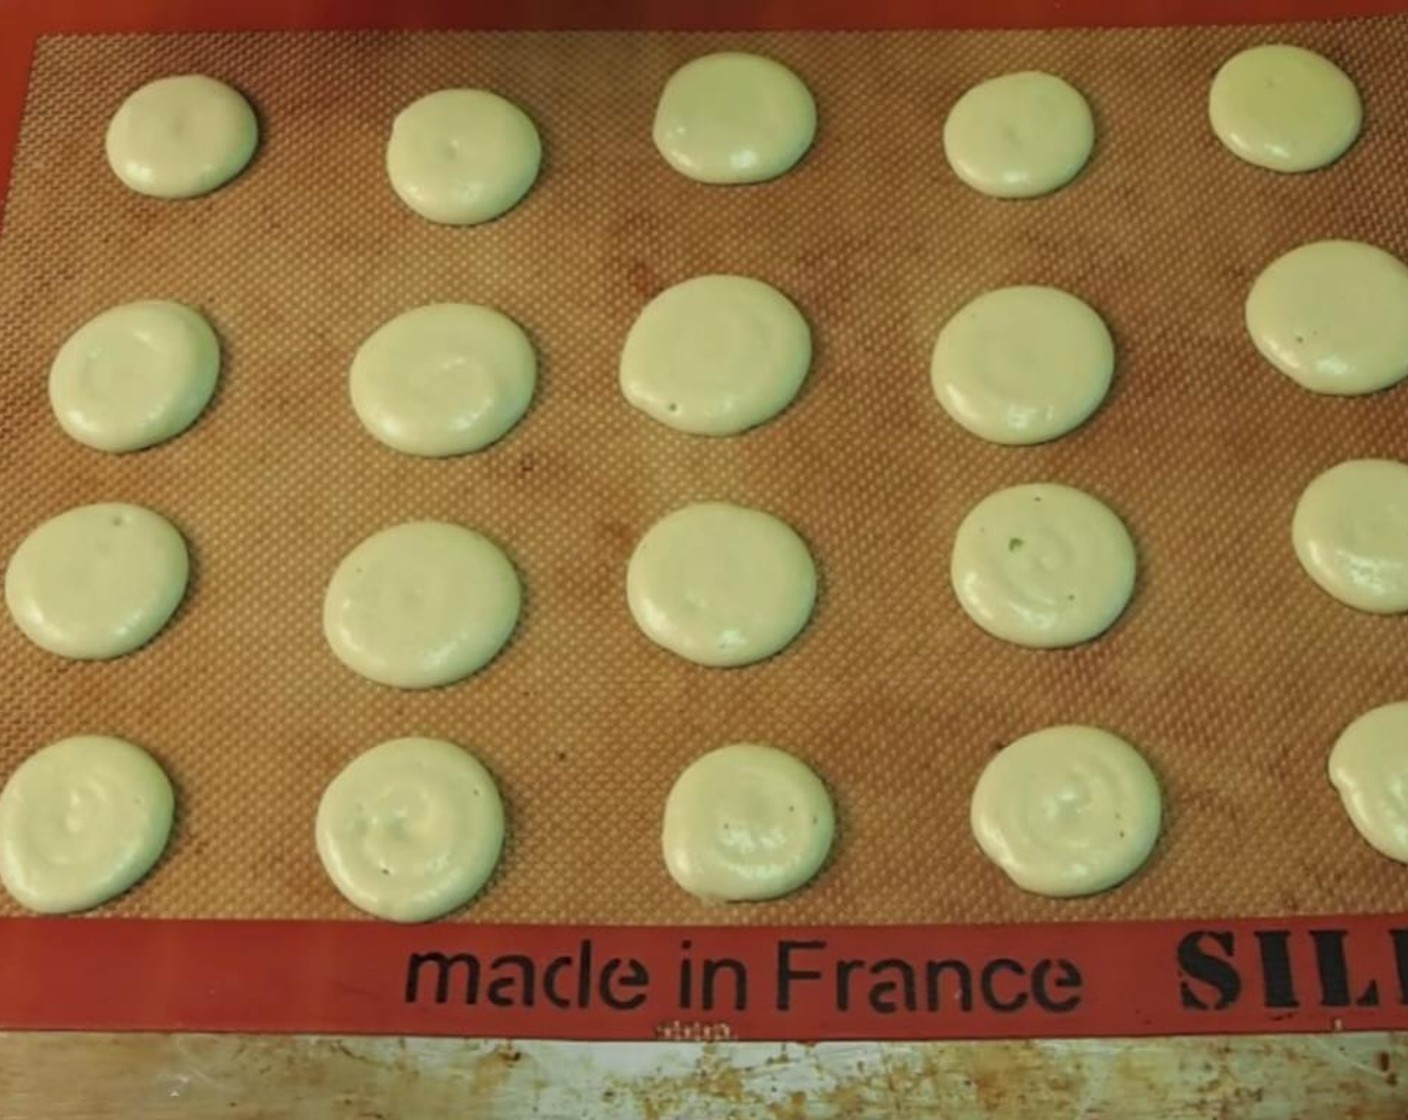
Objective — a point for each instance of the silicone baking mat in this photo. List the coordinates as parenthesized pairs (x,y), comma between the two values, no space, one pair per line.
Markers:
(1230,670)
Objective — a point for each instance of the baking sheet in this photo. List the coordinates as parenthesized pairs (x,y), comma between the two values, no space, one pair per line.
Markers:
(1230,670)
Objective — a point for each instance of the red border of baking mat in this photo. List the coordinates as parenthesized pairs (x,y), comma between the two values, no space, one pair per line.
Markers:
(712,982)
(629,982)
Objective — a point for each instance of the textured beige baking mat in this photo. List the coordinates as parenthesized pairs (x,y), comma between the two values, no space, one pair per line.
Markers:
(1231,670)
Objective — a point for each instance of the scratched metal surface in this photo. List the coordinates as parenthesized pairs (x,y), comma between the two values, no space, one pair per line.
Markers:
(96,1077)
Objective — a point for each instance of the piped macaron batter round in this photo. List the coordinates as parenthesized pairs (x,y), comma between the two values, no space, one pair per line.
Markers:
(411,829)
(1043,565)
(445,379)
(734,118)
(98,581)
(1023,365)
(720,584)
(746,822)
(1333,317)
(1369,767)
(462,156)
(421,605)
(716,355)
(181,137)
(1284,108)
(81,821)
(1067,811)
(1350,533)
(1019,135)
(135,375)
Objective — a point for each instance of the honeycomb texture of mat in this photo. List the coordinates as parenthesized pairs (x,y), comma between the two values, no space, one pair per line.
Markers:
(1230,669)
